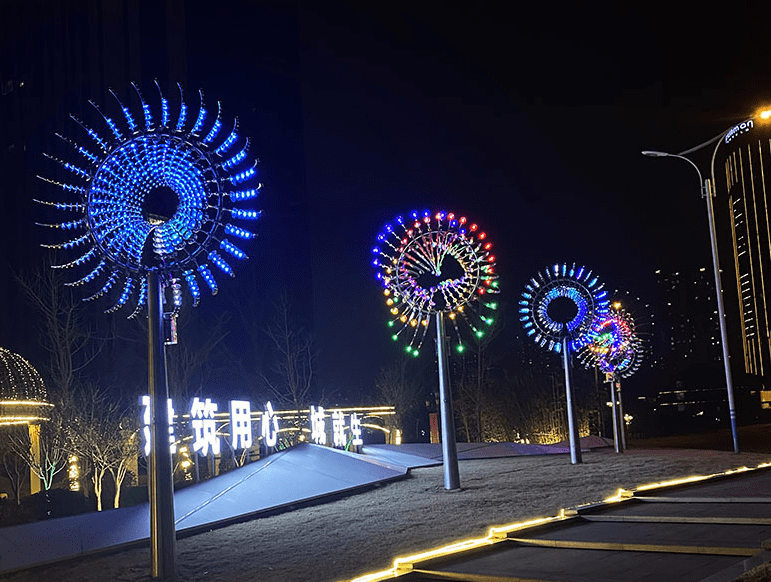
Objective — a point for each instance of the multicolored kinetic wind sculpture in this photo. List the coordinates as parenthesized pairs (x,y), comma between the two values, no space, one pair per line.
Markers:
(436,263)
(155,192)
(560,302)
(615,346)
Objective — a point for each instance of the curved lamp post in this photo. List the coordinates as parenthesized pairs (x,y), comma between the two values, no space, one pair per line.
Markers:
(707,193)
(156,204)
(432,266)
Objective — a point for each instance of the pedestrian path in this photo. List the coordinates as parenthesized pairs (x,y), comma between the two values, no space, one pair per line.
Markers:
(710,530)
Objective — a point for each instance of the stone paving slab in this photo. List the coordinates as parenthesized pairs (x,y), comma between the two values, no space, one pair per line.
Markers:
(567,565)
(594,546)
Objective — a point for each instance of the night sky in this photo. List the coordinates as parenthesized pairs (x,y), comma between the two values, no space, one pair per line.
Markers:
(528,118)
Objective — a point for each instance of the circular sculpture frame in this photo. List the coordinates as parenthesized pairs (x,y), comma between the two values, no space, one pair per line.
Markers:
(432,263)
(155,195)
(575,284)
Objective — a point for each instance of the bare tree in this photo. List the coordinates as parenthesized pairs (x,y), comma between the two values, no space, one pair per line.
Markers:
(12,466)
(69,339)
(186,362)
(96,435)
(124,454)
(397,388)
(293,365)
(54,447)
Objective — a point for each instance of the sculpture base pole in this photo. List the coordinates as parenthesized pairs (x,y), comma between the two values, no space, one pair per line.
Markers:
(449,448)
(614,408)
(161,484)
(621,422)
(575,442)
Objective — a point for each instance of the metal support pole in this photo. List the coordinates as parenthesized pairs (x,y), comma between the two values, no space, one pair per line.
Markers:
(161,485)
(621,421)
(449,448)
(614,408)
(575,442)
(708,194)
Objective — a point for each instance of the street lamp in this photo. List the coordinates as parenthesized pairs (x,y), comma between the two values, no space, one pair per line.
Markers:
(707,192)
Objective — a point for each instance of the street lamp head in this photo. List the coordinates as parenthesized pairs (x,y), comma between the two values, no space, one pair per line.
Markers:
(655,154)
(764,114)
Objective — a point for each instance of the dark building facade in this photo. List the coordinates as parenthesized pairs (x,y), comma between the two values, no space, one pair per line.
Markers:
(688,331)
(742,182)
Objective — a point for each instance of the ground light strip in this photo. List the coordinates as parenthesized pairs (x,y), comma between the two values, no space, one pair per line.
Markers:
(405,564)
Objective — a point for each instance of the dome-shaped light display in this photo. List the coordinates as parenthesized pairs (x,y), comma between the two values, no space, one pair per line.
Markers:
(431,263)
(154,192)
(562,301)
(23,398)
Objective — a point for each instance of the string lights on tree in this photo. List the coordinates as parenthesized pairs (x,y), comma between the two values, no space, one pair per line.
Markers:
(433,265)
(558,309)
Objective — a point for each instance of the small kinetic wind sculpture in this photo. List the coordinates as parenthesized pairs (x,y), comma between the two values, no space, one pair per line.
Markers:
(432,265)
(157,194)
(616,349)
(558,309)
(154,204)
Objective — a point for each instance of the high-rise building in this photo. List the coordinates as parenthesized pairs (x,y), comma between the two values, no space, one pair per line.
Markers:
(688,333)
(742,182)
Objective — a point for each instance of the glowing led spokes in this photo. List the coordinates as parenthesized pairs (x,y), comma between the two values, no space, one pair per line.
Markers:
(136,161)
(410,257)
(204,271)
(568,284)
(238,232)
(232,249)
(215,258)
(245,214)
(615,347)
(192,285)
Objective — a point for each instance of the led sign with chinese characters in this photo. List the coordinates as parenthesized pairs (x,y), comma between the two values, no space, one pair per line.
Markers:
(340,427)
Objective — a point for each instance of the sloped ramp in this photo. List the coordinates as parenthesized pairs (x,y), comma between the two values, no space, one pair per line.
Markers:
(298,475)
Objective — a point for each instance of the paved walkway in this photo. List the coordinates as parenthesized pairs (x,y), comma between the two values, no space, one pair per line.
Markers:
(303,474)
(710,531)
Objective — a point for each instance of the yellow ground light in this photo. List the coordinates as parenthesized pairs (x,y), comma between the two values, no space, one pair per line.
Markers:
(405,564)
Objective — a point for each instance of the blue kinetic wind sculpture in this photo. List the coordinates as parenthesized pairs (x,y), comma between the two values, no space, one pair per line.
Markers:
(151,201)
(558,309)
(156,195)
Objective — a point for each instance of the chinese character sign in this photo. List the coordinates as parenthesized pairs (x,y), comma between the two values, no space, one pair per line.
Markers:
(356,430)
(144,402)
(318,426)
(204,427)
(338,428)
(269,426)
(240,424)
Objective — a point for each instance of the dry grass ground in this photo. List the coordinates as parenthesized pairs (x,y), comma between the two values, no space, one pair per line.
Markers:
(364,532)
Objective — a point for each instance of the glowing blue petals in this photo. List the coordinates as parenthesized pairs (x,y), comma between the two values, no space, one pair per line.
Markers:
(215,128)
(192,285)
(243,176)
(239,232)
(245,214)
(228,246)
(201,117)
(215,258)
(117,205)
(204,271)
(244,194)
